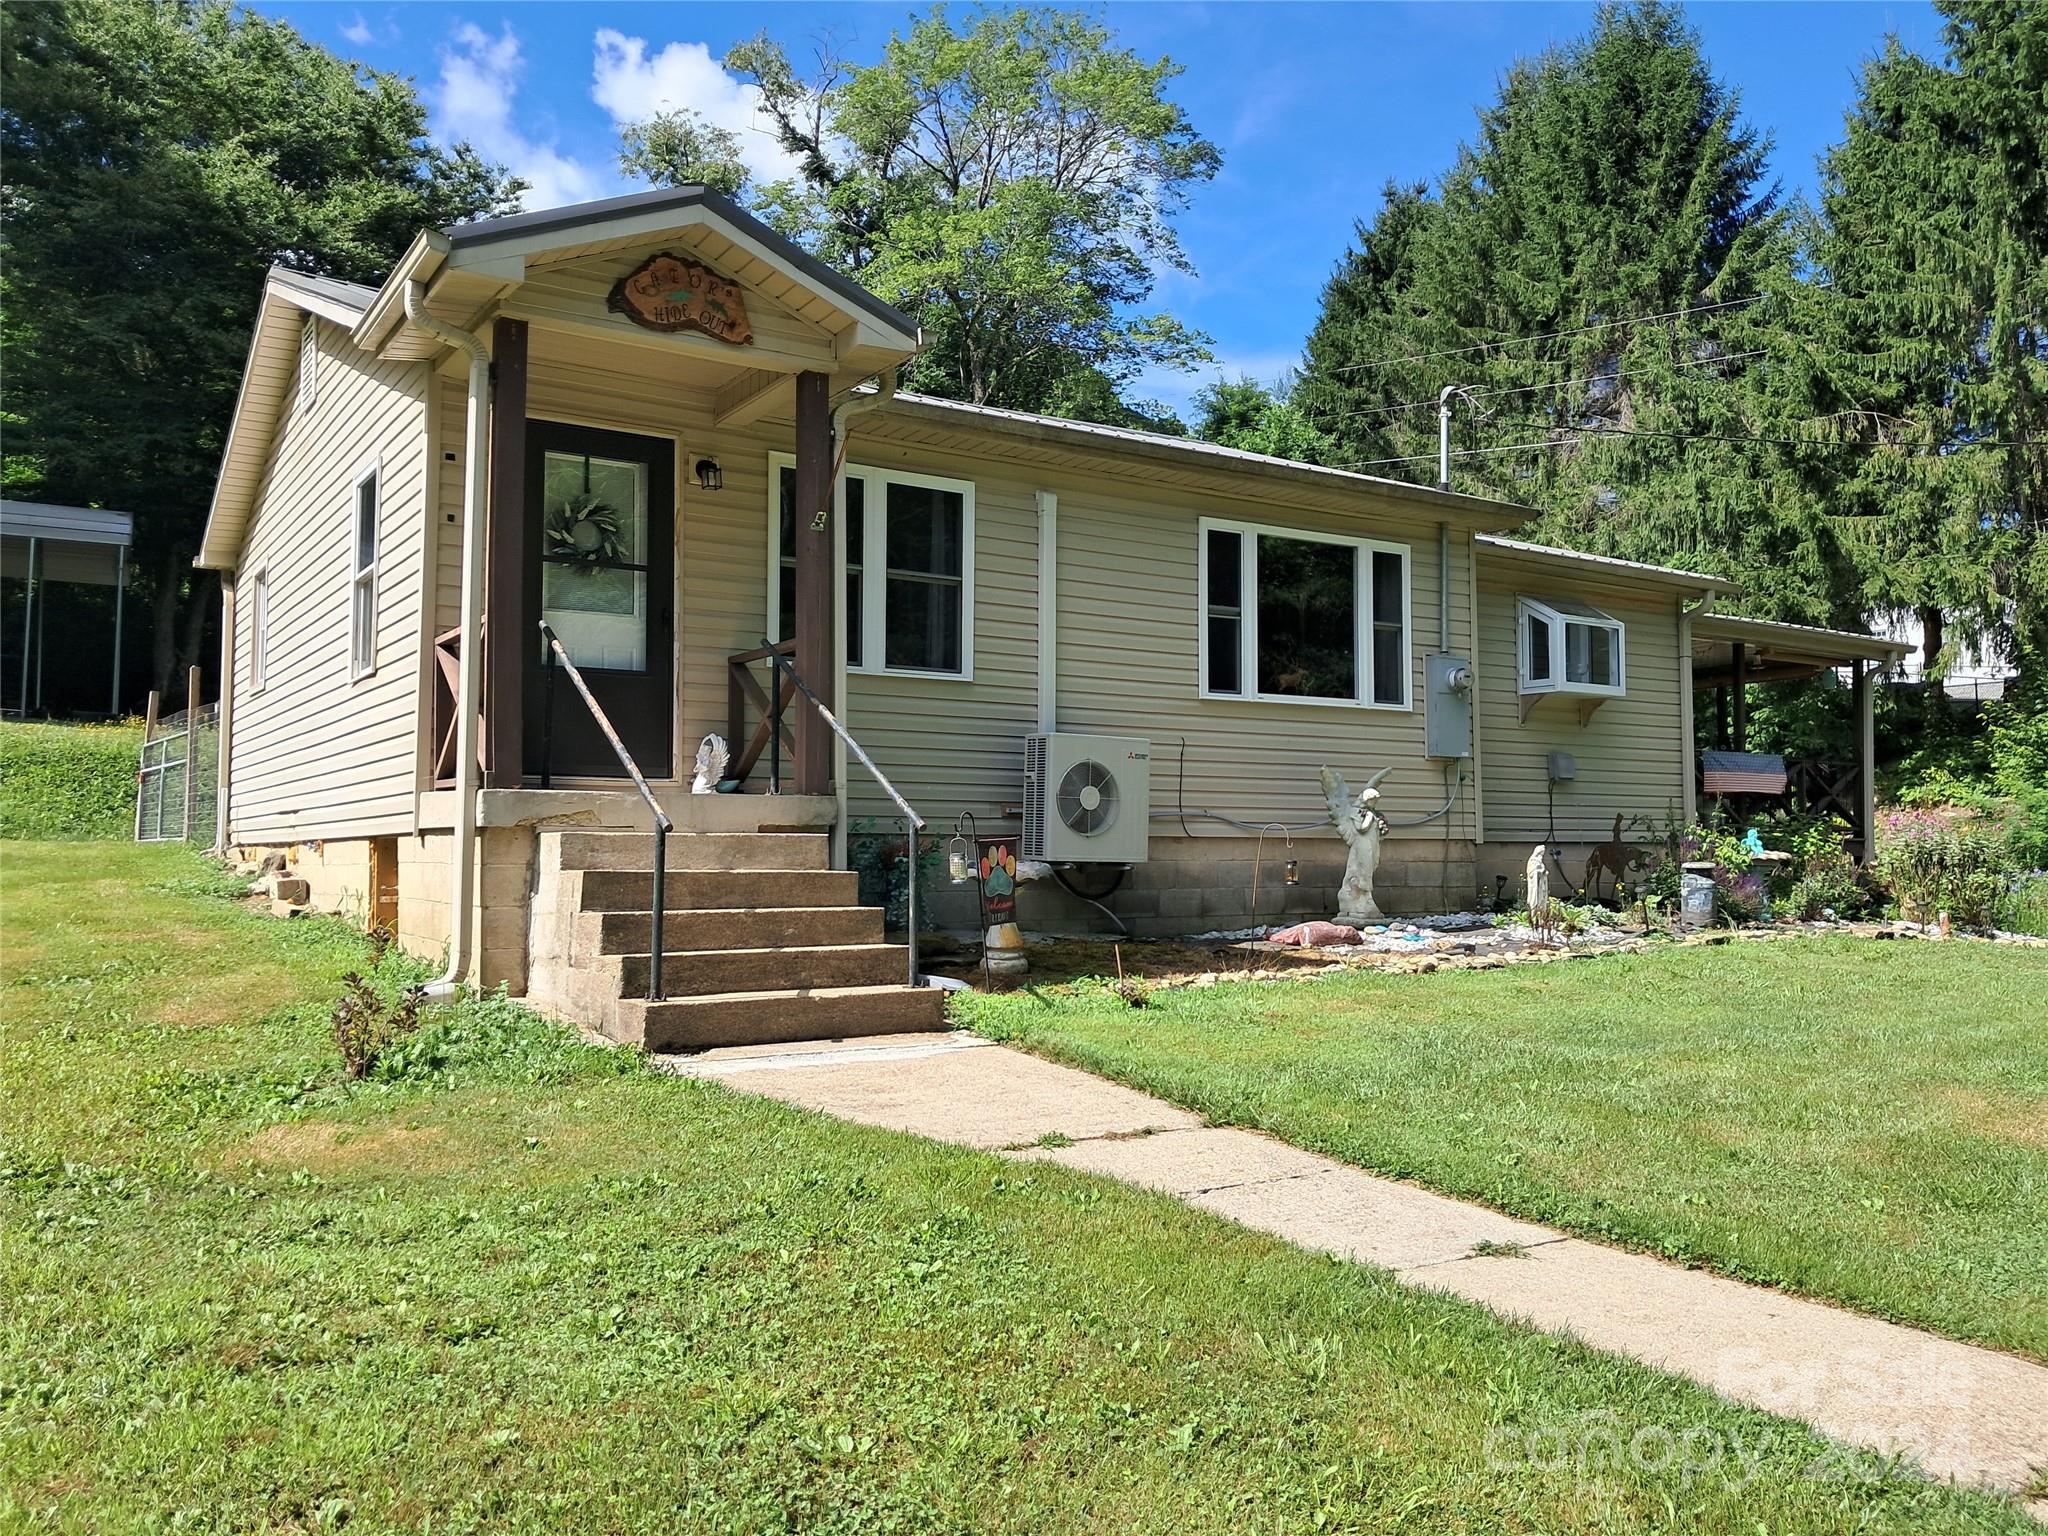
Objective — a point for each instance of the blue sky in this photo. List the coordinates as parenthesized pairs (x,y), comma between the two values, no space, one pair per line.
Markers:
(1314,106)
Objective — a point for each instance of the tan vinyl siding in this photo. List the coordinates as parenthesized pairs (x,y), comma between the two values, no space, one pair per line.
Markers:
(317,753)
(1129,633)
(1629,757)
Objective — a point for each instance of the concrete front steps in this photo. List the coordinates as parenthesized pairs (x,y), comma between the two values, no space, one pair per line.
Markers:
(762,942)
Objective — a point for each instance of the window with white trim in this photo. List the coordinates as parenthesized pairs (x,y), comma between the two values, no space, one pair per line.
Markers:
(909,545)
(362,595)
(259,630)
(1569,647)
(309,365)
(1298,617)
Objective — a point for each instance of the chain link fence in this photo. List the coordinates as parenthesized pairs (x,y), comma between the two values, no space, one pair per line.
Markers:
(178,782)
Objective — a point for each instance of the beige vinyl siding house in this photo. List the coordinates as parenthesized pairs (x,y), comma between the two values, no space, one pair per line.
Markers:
(1251,619)
(325,748)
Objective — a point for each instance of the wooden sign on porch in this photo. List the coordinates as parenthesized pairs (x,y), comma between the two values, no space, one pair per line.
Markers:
(666,293)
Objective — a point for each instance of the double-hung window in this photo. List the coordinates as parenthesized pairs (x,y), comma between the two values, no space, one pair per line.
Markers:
(1302,617)
(362,595)
(1569,647)
(259,631)
(909,548)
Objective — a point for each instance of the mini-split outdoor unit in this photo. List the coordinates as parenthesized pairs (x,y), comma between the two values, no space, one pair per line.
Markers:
(1087,799)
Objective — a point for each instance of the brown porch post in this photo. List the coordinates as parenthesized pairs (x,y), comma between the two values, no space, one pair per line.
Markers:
(1866,751)
(1741,693)
(816,637)
(506,641)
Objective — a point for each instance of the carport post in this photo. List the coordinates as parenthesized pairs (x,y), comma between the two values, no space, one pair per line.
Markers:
(28,619)
(1866,750)
(191,743)
(120,592)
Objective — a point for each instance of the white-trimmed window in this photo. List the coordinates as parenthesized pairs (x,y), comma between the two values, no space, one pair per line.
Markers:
(259,630)
(309,364)
(909,551)
(1303,618)
(1569,647)
(362,592)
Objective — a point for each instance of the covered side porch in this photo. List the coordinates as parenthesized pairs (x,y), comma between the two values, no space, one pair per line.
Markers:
(1731,655)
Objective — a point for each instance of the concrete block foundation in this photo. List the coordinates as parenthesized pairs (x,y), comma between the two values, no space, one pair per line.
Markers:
(1202,883)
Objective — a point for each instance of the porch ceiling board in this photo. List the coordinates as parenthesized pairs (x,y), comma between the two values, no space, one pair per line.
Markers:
(746,397)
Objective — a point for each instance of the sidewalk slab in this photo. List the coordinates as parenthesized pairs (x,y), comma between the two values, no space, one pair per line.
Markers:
(1958,1411)
(990,1098)
(1955,1410)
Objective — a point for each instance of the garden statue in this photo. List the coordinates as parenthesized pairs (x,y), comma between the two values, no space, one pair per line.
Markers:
(1362,828)
(1613,857)
(1539,879)
(711,759)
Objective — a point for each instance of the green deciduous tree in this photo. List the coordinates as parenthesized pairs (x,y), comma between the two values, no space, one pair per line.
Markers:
(679,148)
(1244,414)
(1009,181)
(160,156)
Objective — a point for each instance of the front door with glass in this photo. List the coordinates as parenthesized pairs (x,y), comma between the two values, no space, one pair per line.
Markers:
(600,542)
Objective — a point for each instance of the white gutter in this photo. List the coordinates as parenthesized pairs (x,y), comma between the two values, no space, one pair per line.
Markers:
(469,689)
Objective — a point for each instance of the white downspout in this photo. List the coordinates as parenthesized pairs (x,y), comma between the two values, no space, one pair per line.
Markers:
(469,690)
(852,405)
(223,774)
(1688,795)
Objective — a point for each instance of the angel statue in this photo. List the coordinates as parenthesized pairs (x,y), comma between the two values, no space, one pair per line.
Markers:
(1362,827)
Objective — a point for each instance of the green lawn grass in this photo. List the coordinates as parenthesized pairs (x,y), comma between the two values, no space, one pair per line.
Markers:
(68,781)
(1857,1120)
(527,1285)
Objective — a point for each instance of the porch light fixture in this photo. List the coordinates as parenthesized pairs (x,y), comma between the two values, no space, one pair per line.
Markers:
(709,476)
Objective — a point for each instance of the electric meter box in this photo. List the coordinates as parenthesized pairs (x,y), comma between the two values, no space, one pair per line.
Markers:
(1447,706)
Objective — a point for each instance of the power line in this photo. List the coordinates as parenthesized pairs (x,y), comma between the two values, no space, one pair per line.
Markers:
(1528,389)
(1581,330)
(1581,433)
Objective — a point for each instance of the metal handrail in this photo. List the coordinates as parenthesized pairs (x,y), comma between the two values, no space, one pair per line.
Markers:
(912,822)
(662,825)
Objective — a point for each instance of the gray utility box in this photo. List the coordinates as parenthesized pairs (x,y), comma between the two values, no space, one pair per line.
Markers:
(1447,706)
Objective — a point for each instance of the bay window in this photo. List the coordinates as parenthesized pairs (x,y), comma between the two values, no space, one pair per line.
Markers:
(1569,647)
(1299,617)
(909,555)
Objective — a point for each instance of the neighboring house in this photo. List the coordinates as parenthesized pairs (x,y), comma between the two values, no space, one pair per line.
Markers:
(1975,672)
(645,422)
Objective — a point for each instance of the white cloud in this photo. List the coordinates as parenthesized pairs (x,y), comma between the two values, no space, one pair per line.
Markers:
(474,101)
(359,31)
(633,85)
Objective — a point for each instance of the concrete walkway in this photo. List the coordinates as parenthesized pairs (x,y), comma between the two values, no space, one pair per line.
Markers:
(1956,1410)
